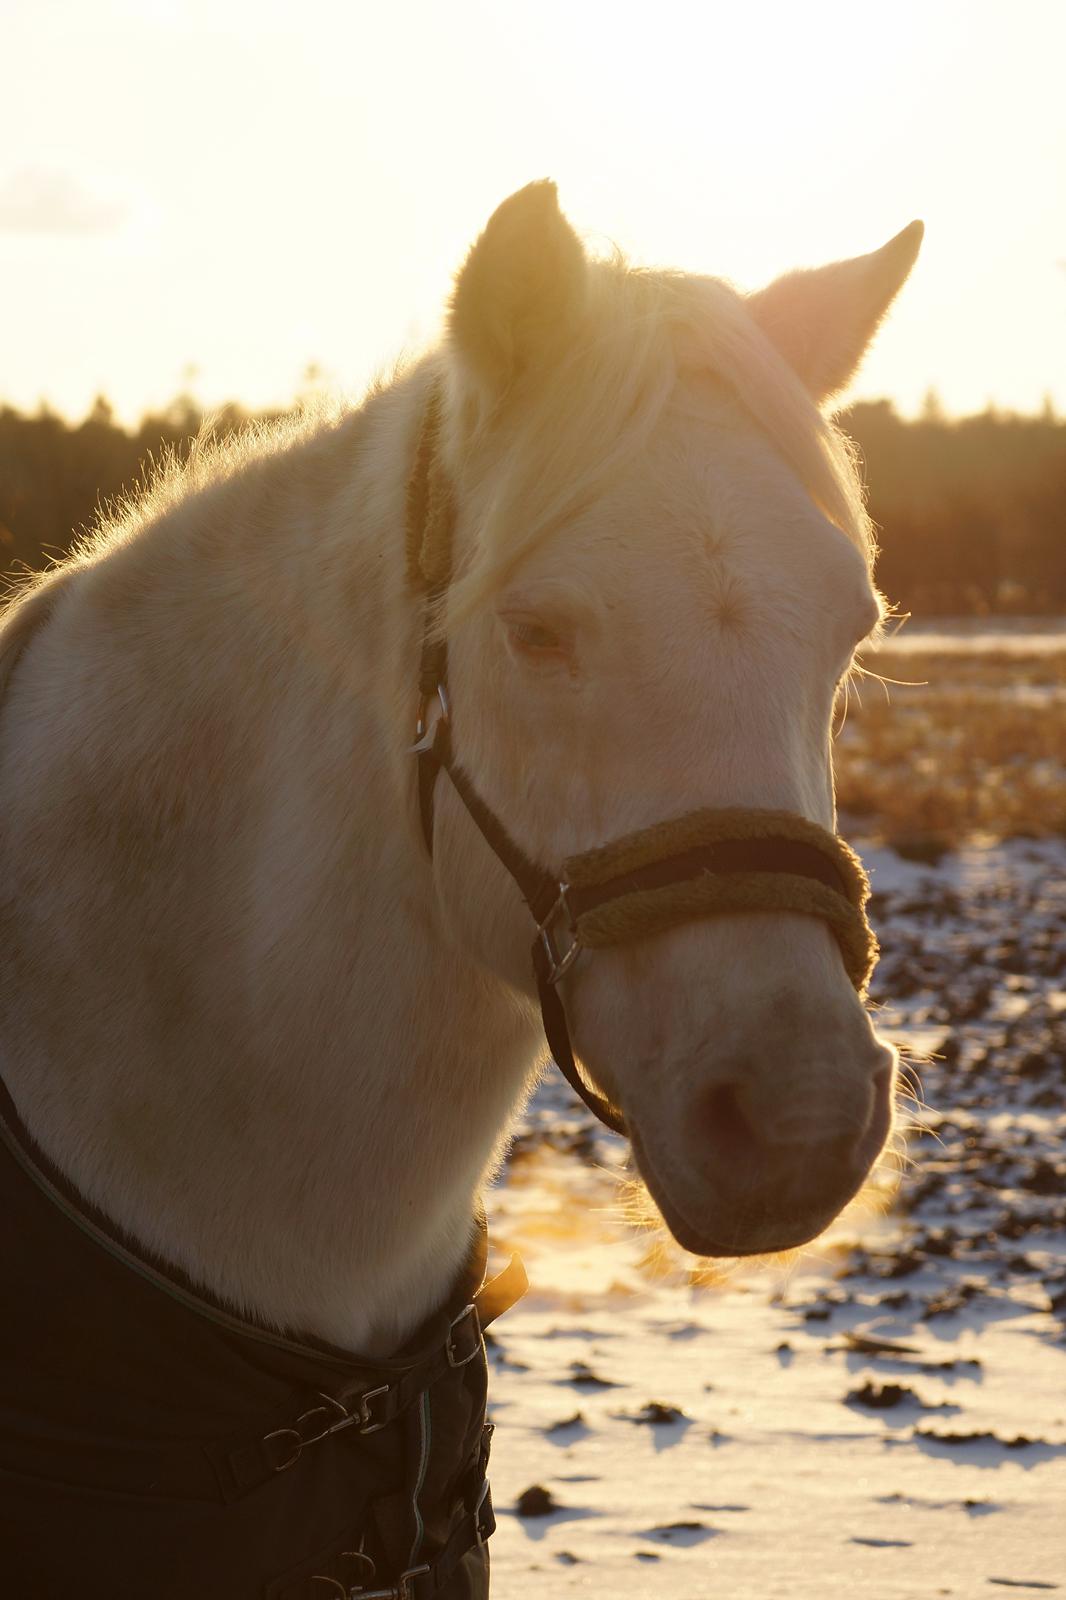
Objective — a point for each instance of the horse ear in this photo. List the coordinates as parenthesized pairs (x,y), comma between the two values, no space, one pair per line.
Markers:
(823,320)
(520,291)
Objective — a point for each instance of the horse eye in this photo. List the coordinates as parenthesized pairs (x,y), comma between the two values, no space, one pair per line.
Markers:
(535,639)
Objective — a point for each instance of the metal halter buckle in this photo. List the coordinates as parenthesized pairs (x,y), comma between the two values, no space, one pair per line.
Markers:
(456,1358)
(424,734)
(558,965)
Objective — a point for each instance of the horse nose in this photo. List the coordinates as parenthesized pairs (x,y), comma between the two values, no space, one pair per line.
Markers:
(792,1153)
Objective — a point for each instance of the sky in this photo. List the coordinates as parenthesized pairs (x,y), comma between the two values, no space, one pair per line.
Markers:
(209,195)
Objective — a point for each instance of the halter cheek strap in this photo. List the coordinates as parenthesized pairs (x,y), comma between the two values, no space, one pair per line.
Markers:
(705,863)
(539,890)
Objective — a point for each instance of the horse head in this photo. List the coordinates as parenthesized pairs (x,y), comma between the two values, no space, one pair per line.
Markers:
(663,568)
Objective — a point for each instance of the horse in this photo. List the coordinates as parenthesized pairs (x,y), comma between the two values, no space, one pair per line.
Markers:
(256,1027)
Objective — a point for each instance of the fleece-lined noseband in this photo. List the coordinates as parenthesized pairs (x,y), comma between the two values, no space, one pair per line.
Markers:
(704,863)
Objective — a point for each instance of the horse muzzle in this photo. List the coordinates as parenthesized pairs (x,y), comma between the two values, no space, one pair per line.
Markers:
(737,1184)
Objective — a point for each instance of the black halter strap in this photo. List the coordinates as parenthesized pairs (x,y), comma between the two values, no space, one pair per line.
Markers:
(430,527)
(539,889)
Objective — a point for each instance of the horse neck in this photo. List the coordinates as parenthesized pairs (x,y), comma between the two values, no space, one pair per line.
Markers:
(284,1079)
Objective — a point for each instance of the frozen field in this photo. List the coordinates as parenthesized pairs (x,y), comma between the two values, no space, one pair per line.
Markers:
(964,635)
(885,1417)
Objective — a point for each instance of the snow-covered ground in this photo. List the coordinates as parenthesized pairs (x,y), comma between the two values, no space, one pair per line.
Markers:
(886,1417)
(980,635)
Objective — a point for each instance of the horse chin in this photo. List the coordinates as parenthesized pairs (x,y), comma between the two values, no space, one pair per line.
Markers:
(747,1230)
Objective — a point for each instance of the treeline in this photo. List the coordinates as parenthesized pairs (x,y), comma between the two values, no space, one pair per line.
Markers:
(55,477)
(972,512)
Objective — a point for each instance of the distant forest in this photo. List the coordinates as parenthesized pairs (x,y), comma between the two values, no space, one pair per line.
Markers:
(972,512)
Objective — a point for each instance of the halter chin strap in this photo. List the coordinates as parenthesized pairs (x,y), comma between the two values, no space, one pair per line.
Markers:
(701,864)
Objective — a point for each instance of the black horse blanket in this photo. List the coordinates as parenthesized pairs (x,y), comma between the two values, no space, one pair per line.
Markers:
(154,1444)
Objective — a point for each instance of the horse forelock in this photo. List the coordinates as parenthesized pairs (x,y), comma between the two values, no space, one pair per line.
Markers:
(561,436)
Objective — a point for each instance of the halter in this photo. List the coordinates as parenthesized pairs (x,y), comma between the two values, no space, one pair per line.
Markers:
(703,863)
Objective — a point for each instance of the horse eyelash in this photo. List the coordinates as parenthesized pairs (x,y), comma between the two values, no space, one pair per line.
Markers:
(539,639)
(524,630)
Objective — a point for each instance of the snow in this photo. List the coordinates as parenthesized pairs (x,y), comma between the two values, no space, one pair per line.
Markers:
(978,635)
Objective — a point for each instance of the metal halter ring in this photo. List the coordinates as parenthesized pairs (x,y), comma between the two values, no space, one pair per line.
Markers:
(558,964)
(423,733)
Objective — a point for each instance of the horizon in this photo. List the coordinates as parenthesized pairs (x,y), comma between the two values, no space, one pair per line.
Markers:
(213,198)
(930,409)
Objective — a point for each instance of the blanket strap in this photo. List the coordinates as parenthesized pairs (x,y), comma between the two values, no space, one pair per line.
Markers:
(242,1463)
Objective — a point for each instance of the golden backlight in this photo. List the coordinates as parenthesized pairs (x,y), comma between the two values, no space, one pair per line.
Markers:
(220,194)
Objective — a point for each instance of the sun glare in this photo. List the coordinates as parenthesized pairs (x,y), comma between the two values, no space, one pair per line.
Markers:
(302,188)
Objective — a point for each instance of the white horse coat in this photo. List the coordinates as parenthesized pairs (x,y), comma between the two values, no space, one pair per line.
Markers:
(240,1009)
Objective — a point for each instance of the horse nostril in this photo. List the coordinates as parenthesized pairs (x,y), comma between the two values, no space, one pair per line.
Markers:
(727,1134)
